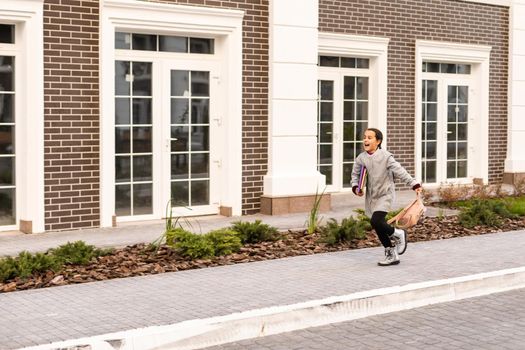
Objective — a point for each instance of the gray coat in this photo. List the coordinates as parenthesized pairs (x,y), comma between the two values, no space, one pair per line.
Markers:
(382,168)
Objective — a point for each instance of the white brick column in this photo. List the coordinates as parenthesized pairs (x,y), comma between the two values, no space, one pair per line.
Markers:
(292,99)
(515,162)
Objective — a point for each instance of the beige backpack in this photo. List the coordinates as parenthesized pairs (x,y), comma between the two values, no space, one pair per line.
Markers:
(410,215)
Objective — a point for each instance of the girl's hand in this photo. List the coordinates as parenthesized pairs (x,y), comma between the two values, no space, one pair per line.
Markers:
(360,193)
(419,190)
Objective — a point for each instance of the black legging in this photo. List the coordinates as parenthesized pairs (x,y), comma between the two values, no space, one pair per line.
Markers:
(383,230)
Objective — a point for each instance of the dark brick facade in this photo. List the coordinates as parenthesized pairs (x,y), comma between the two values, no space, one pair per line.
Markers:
(404,22)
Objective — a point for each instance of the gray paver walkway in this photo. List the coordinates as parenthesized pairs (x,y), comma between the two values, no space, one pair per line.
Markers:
(131,233)
(60,313)
(494,322)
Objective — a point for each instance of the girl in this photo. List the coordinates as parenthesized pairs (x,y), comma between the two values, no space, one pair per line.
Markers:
(381,168)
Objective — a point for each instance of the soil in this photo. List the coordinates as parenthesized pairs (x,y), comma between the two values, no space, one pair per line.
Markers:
(138,260)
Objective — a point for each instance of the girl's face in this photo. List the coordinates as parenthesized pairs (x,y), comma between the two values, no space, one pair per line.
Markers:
(370,141)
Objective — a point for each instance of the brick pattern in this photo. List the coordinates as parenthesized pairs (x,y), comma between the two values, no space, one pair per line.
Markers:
(255,94)
(440,20)
(71,114)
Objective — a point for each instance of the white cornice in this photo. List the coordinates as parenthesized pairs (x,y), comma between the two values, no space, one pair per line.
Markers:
(456,52)
(334,43)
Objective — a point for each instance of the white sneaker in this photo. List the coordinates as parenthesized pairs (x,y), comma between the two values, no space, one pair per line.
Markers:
(400,238)
(391,257)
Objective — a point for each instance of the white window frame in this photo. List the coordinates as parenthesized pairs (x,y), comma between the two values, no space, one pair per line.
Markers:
(28,50)
(157,18)
(373,48)
(478,56)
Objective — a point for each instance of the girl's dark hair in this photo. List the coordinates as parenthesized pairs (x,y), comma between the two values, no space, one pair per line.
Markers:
(379,135)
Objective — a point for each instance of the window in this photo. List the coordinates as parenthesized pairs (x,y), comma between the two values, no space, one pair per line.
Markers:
(164,43)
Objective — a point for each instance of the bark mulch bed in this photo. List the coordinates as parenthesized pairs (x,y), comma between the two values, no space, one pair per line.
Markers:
(137,260)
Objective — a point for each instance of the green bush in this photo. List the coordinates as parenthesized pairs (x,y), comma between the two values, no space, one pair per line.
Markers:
(7,269)
(349,229)
(78,253)
(224,241)
(192,245)
(254,232)
(365,220)
(485,212)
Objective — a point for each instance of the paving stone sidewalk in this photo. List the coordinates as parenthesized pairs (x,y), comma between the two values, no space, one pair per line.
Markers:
(42,316)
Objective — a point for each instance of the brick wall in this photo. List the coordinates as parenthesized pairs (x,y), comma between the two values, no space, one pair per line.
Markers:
(441,20)
(254,94)
(71,114)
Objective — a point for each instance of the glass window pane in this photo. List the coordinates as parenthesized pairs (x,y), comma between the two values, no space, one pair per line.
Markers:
(430,171)
(451,114)
(462,132)
(122,140)
(142,111)
(349,132)
(7,77)
(122,78)
(431,131)
(173,43)
(200,111)
(6,139)
(122,40)
(180,138)
(462,113)
(463,68)
(349,110)
(179,111)
(142,168)
(431,112)
(462,169)
(462,94)
(448,68)
(122,168)
(325,133)
(451,132)
(361,110)
(360,130)
(200,192)
(200,165)
(462,150)
(326,111)
(142,139)
(347,62)
(7,33)
(451,169)
(431,150)
(362,88)
(347,174)
(180,83)
(145,42)
(122,110)
(179,166)
(180,193)
(6,108)
(200,138)
(432,67)
(451,150)
(141,78)
(7,171)
(327,90)
(329,61)
(325,154)
(7,206)
(349,152)
(431,90)
(349,88)
(327,172)
(200,83)
(123,200)
(199,45)
(363,63)
(142,199)
(452,94)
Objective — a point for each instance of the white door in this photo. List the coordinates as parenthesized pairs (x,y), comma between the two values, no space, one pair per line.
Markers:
(343,114)
(445,136)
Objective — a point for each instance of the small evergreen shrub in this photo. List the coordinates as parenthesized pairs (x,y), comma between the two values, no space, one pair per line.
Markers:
(77,253)
(363,219)
(192,245)
(349,229)
(254,232)
(223,241)
(487,213)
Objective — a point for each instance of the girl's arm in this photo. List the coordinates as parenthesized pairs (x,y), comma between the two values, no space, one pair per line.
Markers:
(356,170)
(401,174)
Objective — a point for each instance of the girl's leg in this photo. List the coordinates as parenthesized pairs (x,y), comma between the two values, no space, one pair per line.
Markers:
(383,230)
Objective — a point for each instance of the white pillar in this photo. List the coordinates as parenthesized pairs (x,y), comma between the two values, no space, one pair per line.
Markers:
(515,162)
(292,166)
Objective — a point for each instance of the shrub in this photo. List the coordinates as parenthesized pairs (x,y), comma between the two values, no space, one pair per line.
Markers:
(365,220)
(223,241)
(7,268)
(453,193)
(192,245)
(78,253)
(487,213)
(254,232)
(350,228)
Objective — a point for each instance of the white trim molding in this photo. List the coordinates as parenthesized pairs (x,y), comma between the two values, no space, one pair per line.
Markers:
(374,48)
(28,49)
(157,18)
(478,56)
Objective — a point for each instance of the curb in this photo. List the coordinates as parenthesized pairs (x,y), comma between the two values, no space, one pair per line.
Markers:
(200,333)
